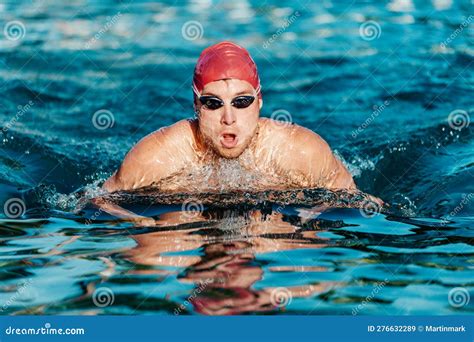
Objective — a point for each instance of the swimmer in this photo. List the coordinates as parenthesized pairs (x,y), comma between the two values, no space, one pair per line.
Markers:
(228,127)
(225,142)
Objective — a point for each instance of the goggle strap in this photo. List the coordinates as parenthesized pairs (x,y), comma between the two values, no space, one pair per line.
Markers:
(196,91)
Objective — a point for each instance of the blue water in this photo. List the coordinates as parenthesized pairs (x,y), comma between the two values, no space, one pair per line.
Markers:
(382,104)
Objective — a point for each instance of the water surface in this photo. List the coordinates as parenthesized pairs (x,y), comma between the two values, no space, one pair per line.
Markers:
(382,104)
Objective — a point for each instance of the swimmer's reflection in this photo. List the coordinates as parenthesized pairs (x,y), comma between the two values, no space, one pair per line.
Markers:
(226,273)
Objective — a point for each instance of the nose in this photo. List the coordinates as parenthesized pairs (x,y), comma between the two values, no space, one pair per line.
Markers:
(228,117)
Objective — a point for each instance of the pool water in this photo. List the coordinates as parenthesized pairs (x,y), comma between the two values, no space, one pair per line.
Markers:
(81,84)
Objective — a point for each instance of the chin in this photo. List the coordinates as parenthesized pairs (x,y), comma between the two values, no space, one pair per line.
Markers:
(230,153)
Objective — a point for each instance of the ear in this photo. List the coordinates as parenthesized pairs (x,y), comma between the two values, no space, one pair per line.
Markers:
(260,103)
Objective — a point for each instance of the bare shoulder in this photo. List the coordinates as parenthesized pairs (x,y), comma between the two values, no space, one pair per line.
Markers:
(294,137)
(304,153)
(174,136)
(170,135)
(153,157)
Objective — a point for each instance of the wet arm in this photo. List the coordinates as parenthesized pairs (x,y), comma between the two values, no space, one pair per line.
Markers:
(138,169)
(124,214)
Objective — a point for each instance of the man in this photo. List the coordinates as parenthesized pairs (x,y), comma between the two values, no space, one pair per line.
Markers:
(228,145)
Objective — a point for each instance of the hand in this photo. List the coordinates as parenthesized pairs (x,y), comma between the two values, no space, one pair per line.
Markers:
(377,201)
(142,221)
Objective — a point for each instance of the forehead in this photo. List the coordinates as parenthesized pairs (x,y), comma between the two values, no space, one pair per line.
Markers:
(227,87)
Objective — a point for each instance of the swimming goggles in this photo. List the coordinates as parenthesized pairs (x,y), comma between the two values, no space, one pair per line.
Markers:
(212,102)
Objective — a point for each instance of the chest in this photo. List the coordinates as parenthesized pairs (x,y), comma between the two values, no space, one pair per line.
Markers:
(227,175)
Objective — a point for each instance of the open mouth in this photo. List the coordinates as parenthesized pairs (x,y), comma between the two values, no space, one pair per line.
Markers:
(229,140)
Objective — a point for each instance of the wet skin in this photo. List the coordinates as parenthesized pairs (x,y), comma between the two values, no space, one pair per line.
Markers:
(283,155)
(190,154)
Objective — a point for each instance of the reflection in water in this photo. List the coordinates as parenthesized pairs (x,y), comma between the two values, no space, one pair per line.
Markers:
(225,273)
(274,260)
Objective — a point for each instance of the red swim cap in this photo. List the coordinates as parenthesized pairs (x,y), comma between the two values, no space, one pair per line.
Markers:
(225,60)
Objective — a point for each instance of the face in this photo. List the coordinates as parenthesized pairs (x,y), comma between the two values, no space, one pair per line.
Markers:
(228,130)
